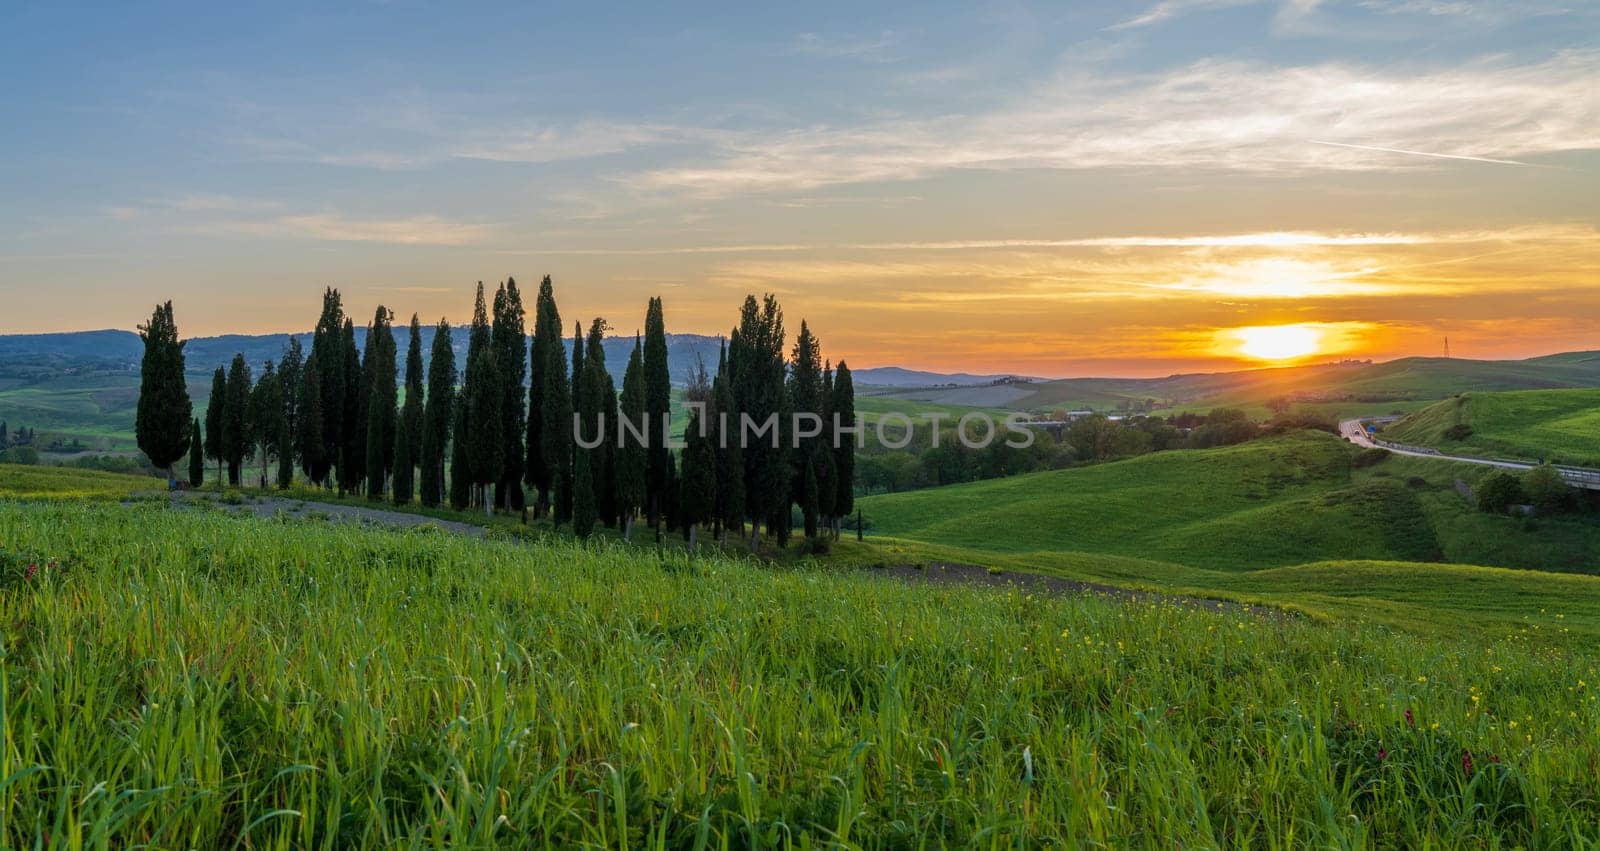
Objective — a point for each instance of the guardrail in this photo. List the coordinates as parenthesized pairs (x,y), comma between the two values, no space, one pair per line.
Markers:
(1582,477)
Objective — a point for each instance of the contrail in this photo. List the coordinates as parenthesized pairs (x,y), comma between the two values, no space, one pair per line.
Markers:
(1419,153)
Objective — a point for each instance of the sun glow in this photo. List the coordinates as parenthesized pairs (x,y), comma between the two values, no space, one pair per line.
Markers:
(1277,342)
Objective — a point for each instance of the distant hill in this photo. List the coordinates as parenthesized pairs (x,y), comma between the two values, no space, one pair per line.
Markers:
(111,348)
(1404,380)
(894,376)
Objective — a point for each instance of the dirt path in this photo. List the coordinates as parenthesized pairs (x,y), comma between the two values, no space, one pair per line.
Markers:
(270,506)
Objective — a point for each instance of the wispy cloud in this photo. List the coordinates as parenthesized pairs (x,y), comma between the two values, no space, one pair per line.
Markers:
(1210,115)
(334,227)
(682,249)
(879,48)
(1167,10)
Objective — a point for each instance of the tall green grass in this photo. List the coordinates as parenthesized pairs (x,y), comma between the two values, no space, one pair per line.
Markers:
(1562,426)
(180,678)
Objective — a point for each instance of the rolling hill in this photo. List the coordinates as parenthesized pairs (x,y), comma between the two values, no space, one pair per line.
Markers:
(1275,502)
(1561,426)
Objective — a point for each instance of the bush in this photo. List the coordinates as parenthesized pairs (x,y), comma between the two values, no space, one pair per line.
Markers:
(1459,431)
(1369,458)
(1545,488)
(25,455)
(1498,492)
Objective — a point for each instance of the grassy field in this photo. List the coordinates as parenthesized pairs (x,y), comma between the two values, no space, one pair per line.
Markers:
(188,678)
(22,482)
(1562,426)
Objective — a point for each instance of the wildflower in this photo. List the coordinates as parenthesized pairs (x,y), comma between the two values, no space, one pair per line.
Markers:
(1466,762)
(33,569)
(1423,678)
(1383,754)
(1410,722)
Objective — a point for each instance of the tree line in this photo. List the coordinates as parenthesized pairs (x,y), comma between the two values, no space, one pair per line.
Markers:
(527,416)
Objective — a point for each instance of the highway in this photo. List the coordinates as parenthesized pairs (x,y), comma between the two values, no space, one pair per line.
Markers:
(1355,431)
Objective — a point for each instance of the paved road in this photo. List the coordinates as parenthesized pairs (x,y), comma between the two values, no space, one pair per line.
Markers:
(1355,431)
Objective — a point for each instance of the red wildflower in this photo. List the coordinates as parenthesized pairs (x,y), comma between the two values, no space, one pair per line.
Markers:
(1410,722)
(33,569)
(1383,754)
(1466,762)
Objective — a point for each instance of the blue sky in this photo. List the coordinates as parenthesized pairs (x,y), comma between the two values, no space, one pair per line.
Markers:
(917,179)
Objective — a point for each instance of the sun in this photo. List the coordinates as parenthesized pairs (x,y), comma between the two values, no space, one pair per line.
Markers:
(1277,342)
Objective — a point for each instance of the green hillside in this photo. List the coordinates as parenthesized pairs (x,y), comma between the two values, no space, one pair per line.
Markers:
(188,678)
(1268,503)
(1562,426)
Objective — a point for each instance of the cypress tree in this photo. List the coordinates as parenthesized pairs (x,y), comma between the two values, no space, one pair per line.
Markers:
(599,417)
(632,459)
(730,458)
(266,416)
(353,419)
(379,376)
(285,450)
(844,453)
(546,388)
(484,440)
(161,420)
(328,355)
(805,397)
(289,366)
(460,467)
(827,489)
(408,437)
(216,407)
(583,507)
(309,433)
(510,343)
(438,415)
(697,484)
(236,435)
(657,403)
(197,453)
(566,446)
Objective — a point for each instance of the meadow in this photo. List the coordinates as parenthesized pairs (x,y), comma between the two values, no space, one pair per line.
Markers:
(184,677)
(1561,426)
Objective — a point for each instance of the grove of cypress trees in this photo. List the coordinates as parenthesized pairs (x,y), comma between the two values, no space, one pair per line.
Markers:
(197,454)
(509,340)
(215,408)
(438,415)
(632,460)
(161,420)
(236,436)
(548,423)
(759,392)
(827,489)
(658,404)
(599,416)
(568,448)
(697,483)
(460,466)
(408,436)
(379,376)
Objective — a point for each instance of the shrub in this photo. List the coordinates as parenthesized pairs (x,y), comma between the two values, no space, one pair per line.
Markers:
(1459,431)
(1499,491)
(1369,458)
(1546,489)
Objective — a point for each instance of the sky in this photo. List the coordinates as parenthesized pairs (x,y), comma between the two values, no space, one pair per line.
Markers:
(1055,189)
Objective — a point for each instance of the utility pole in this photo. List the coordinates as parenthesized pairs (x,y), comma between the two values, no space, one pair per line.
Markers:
(1447,346)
